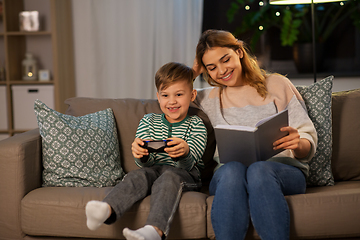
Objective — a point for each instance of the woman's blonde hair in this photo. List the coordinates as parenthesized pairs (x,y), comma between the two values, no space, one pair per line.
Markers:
(252,74)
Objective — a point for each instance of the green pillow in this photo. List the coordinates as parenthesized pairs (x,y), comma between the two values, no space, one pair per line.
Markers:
(317,99)
(79,151)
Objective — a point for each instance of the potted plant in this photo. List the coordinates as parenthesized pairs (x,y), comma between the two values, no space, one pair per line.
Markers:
(294,22)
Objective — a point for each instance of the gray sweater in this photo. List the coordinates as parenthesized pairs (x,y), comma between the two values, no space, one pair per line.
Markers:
(248,115)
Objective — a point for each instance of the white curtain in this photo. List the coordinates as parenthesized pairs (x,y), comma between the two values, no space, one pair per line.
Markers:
(120,44)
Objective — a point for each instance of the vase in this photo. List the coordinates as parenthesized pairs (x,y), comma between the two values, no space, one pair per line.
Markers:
(303,57)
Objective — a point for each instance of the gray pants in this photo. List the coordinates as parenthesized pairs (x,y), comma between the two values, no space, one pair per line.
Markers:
(164,183)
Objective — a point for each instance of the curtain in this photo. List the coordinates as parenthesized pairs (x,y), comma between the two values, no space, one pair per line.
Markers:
(120,44)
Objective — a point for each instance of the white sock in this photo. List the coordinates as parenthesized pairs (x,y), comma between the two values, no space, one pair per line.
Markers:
(96,213)
(145,233)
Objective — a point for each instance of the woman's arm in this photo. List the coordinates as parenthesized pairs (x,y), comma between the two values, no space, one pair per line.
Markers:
(300,146)
(302,138)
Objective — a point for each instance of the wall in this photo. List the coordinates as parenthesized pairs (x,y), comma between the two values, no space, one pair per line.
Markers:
(339,84)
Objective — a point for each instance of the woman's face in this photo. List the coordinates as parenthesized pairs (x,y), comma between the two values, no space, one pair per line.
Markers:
(223,65)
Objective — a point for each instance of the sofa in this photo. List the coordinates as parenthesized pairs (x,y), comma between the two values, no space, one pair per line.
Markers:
(28,210)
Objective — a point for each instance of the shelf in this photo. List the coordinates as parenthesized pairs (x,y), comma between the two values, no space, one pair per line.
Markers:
(52,47)
(28,33)
(26,82)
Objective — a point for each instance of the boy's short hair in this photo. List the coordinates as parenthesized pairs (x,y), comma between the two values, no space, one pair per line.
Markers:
(173,72)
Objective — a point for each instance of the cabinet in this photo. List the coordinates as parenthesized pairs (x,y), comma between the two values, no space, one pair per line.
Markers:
(52,46)
(23,103)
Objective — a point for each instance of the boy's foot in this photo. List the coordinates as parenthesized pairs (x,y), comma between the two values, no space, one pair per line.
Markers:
(145,233)
(96,214)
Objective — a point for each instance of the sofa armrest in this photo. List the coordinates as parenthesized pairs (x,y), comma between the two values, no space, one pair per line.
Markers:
(20,172)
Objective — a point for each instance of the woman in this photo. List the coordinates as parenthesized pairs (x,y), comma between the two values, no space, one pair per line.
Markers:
(243,94)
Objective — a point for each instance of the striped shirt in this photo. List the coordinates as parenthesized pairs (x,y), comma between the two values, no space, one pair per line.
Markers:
(192,129)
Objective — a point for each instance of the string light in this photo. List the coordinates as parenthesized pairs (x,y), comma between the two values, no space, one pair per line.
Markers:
(261,3)
(342,4)
(261,28)
(277,14)
(247,7)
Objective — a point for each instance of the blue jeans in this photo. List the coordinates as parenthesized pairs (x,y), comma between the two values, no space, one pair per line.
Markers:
(256,192)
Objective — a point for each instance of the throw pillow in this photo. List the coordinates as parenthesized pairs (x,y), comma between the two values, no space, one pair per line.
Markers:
(317,99)
(79,151)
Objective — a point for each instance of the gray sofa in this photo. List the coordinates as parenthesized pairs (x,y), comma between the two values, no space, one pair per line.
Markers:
(30,211)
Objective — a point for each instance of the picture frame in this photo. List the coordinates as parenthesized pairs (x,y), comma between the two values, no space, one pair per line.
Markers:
(44,75)
(29,21)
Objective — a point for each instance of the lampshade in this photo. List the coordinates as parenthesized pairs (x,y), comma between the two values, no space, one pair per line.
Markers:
(289,2)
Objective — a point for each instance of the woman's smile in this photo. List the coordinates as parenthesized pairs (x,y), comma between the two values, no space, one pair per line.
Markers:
(228,76)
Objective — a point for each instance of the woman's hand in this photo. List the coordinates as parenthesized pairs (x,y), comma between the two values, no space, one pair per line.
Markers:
(177,148)
(300,146)
(197,68)
(137,150)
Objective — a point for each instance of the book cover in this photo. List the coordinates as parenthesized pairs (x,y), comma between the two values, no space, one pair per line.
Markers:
(251,144)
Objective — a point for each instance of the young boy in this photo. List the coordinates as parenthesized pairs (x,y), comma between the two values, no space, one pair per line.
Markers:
(165,175)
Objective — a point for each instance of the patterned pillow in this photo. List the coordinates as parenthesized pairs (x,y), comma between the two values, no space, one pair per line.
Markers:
(79,151)
(317,99)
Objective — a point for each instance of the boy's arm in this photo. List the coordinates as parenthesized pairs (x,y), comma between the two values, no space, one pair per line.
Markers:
(197,144)
(142,132)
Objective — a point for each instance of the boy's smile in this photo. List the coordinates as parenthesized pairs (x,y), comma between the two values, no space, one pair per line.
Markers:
(175,100)
(173,109)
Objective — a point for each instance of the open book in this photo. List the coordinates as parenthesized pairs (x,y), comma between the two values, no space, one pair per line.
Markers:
(248,144)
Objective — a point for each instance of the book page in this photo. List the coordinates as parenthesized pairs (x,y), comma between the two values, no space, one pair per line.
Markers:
(268,118)
(236,127)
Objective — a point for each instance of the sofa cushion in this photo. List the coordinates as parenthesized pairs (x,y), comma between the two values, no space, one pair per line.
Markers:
(317,97)
(128,113)
(78,151)
(60,211)
(328,212)
(346,133)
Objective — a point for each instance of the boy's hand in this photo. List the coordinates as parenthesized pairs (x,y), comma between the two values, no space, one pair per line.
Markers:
(177,148)
(137,150)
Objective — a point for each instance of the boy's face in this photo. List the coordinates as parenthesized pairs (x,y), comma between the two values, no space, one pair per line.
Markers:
(175,100)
